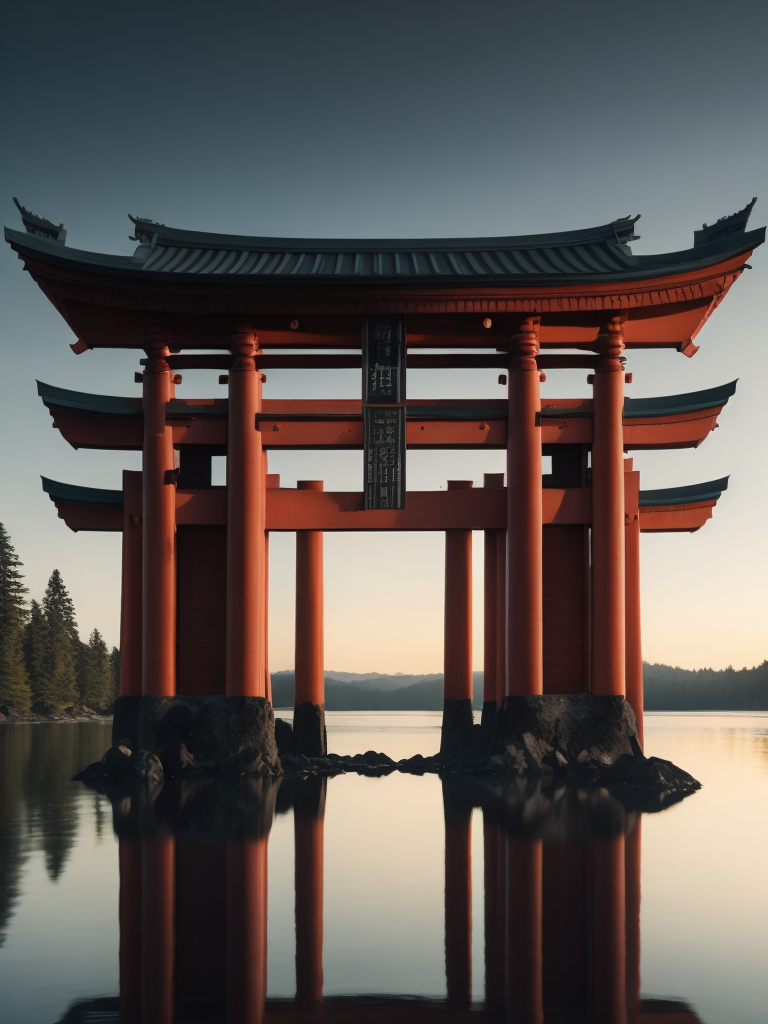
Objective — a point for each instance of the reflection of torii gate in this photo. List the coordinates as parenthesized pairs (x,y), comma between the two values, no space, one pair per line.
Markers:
(561,550)
(561,915)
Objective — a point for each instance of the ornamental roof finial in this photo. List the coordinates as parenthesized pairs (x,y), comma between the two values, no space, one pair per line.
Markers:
(37,225)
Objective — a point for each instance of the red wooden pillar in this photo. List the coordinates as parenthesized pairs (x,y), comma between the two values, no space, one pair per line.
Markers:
(458,908)
(310,679)
(493,906)
(489,604)
(158,935)
(245,524)
(633,645)
(457,644)
(632,853)
(129,854)
(608,621)
(501,616)
(608,930)
(131,593)
(525,669)
(524,872)
(159,527)
(309,827)
(246,930)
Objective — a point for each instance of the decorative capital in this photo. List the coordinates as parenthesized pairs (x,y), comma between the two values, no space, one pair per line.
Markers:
(157,339)
(610,345)
(243,345)
(525,345)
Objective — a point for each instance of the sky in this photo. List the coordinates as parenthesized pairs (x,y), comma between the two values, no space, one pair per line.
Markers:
(399,119)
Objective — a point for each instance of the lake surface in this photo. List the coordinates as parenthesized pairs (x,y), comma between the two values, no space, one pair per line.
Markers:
(376,899)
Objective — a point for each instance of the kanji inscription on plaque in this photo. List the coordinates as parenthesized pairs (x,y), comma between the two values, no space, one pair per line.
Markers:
(383,360)
(384,430)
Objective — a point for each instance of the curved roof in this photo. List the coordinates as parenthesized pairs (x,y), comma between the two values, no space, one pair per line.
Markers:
(600,253)
(708,491)
(85,497)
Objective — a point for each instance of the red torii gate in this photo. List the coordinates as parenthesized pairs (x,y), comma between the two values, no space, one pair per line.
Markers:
(561,551)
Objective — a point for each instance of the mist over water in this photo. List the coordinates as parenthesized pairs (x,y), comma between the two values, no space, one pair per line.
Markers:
(405,868)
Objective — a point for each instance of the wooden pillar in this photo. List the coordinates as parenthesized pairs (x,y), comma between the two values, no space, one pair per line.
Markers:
(158,930)
(633,625)
(525,669)
(457,633)
(159,527)
(458,906)
(489,606)
(131,591)
(608,629)
(245,673)
(129,855)
(501,616)
(608,930)
(309,827)
(524,931)
(309,694)
(632,854)
(246,930)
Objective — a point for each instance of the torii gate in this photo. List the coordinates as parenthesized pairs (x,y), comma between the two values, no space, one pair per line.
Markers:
(561,550)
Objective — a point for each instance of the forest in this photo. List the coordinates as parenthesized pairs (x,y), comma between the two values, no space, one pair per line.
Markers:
(45,666)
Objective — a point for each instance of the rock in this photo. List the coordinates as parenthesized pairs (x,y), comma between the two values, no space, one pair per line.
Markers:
(309,735)
(283,736)
(225,726)
(147,767)
(458,732)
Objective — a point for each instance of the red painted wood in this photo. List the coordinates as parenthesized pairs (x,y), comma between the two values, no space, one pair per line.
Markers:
(608,629)
(309,660)
(501,616)
(525,674)
(131,592)
(202,609)
(565,590)
(457,645)
(633,625)
(159,524)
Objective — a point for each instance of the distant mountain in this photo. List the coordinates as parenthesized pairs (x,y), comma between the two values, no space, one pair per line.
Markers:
(666,689)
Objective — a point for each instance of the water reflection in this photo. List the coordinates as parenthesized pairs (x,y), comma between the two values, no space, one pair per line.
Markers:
(561,899)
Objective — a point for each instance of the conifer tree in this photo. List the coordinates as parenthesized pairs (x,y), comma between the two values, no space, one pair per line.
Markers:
(97,675)
(35,650)
(15,693)
(114,664)
(59,688)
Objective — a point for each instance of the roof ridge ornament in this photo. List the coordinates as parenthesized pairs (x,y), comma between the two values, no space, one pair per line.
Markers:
(37,225)
(734,224)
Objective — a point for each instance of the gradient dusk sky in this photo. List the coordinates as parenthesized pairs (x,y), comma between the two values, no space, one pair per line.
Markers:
(355,118)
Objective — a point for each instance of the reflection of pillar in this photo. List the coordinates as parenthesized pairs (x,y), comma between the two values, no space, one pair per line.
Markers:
(245,524)
(309,700)
(523,952)
(157,931)
(493,911)
(308,824)
(633,654)
(501,616)
(246,930)
(608,930)
(632,853)
(489,609)
(159,528)
(525,623)
(608,668)
(457,635)
(130,931)
(131,596)
(458,907)
(267,674)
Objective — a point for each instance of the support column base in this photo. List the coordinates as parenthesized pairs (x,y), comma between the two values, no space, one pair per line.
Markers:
(488,719)
(309,736)
(458,730)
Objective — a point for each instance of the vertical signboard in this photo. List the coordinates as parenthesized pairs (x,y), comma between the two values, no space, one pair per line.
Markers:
(384,411)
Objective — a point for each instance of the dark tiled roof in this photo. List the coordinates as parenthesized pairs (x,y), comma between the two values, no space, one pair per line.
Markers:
(646,408)
(85,497)
(600,253)
(708,491)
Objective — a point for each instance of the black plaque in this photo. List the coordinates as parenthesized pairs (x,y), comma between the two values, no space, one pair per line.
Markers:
(383,360)
(384,429)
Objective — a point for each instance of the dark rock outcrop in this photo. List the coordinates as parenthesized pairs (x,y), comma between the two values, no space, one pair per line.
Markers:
(309,736)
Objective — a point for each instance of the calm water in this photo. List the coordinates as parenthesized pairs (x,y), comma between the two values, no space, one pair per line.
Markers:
(388,887)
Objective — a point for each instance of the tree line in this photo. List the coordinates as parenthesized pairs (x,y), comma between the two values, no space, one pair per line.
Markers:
(45,668)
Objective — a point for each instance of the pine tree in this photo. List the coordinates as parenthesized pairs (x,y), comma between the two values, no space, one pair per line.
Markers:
(114,664)
(97,675)
(15,693)
(60,682)
(35,651)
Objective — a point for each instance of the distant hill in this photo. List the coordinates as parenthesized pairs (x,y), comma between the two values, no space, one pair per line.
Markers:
(666,689)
